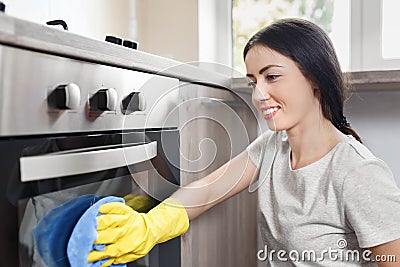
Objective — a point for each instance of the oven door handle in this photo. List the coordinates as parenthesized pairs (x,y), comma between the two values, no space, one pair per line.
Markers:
(49,166)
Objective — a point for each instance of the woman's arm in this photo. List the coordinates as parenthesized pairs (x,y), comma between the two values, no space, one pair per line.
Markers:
(387,254)
(230,179)
(134,234)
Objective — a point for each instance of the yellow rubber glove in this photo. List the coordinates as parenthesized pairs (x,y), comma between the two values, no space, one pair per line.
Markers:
(131,235)
(140,203)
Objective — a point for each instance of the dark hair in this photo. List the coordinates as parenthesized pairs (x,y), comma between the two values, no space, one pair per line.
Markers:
(312,50)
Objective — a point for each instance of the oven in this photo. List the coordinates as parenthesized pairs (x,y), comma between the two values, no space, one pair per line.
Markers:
(69,128)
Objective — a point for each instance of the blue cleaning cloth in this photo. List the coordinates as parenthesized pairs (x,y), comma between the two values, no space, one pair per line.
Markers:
(53,231)
(85,234)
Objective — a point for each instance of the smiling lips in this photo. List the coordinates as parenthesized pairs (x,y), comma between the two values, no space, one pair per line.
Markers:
(270,112)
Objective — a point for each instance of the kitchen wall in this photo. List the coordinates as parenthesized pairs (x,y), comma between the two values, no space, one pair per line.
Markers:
(168,28)
(91,18)
(165,28)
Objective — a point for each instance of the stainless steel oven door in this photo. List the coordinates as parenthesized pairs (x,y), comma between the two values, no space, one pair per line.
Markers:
(41,173)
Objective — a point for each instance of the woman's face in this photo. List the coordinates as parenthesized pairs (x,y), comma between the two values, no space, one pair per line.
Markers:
(281,93)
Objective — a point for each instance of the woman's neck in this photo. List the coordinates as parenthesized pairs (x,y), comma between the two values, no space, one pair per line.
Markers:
(309,144)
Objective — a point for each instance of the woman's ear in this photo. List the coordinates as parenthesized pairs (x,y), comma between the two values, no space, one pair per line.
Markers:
(315,89)
(317,93)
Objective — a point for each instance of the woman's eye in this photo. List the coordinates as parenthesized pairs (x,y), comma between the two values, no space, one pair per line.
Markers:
(272,77)
(252,84)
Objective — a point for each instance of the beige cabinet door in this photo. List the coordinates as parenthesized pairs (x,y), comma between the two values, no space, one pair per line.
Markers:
(216,125)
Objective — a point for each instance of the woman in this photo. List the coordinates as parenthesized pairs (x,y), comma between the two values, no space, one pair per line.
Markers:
(322,194)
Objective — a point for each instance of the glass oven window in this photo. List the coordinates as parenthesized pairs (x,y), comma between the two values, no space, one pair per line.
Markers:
(24,204)
(32,210)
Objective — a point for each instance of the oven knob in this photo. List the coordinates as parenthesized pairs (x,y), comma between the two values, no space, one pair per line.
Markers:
(135,101)
(65,96)
(130,44)
(104,99)
(2,7)
(113,39)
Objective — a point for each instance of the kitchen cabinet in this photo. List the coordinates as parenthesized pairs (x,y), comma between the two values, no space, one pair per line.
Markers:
(215,126)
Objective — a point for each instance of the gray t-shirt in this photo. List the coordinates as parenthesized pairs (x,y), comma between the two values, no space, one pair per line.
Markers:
(327,213)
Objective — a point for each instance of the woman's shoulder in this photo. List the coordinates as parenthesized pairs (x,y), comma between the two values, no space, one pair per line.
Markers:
(355,153)
(267,143)
(261,140)
(354,159)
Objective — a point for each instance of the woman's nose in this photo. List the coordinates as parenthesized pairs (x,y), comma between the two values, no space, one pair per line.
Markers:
(261,93)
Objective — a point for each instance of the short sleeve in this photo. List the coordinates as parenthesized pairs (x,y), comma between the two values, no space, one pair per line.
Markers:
(257,148)
(372,203)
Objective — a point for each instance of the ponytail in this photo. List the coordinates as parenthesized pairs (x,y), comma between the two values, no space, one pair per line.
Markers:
(348,130)
(344,126)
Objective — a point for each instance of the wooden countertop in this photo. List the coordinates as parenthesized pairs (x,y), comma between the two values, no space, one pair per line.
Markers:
(382,80)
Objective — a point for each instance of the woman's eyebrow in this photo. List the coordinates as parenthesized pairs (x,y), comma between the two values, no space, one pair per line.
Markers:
(264,69)
(267,67)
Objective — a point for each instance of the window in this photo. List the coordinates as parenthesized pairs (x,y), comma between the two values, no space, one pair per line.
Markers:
(363,32)
(248,16)
(390,31)
(372,35)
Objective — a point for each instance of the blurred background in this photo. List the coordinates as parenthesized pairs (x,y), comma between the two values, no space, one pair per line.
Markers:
(363,32)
